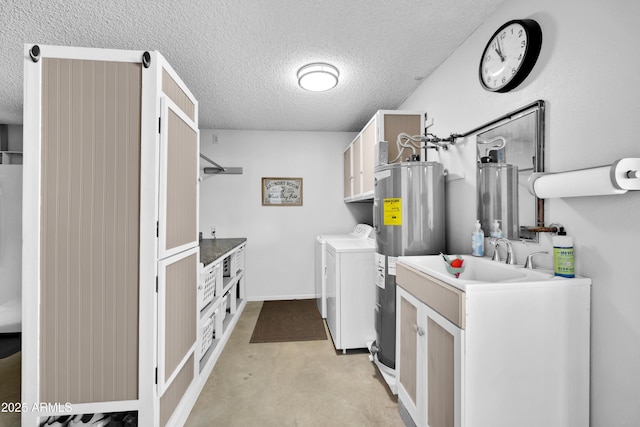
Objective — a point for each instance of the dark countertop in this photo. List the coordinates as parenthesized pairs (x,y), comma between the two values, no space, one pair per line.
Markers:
(212,249)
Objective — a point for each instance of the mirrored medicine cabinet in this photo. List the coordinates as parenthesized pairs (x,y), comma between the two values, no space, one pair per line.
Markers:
(509,150)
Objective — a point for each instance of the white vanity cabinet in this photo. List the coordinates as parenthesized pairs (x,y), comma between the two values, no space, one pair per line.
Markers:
(492,354)
(428,363)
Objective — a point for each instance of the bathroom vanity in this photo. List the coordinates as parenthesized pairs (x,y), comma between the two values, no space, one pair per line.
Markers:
(501,346)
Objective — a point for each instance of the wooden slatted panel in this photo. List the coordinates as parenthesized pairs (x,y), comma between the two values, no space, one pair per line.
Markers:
(177,95)
(171,398)
(395,124)
(180,310)
(409,346)
(356,152)
(440,377)
(348,170)
(368,157)
(182,176)
(90,230)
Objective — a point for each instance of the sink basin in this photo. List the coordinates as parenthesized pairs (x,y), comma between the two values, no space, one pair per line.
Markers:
(477,270)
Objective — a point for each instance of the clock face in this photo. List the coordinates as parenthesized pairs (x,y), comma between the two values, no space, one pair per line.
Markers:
(510,55)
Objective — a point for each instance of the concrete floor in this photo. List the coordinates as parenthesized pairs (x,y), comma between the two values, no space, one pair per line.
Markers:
(10,388)
(305,383)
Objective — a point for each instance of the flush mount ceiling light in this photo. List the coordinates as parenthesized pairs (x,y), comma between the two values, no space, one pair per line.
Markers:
(318,77)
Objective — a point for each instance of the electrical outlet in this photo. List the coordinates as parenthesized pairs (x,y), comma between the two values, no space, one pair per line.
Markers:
(213,231)
(214,139)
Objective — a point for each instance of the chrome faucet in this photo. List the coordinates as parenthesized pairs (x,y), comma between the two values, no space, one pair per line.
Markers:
(496,256)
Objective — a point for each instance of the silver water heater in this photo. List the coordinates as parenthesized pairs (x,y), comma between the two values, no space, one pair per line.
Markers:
(409,219)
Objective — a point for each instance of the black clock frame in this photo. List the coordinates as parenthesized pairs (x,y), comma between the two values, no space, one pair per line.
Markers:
(531,53)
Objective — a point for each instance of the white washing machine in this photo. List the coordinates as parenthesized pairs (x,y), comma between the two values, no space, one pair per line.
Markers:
(361,231)
(351,292)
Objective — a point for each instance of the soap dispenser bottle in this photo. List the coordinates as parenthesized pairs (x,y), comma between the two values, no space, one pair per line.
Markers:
(477,240)
(496,232)
(563,254)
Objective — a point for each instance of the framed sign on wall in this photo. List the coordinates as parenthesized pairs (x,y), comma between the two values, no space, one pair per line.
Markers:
(281,191)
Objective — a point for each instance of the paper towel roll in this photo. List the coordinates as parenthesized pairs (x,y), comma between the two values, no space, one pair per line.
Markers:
(586,182)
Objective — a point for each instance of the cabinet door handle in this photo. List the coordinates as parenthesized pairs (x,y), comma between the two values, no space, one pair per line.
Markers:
(418,329)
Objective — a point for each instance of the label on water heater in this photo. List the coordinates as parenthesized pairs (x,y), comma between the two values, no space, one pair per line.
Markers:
(392,213)
(393,260)
(380,271)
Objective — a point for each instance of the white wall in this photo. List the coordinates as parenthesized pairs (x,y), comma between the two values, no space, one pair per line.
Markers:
(280,246)
(589,75)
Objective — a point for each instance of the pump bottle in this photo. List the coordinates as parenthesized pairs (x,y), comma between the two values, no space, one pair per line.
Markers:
(477,240)
(495,229)
(563,254)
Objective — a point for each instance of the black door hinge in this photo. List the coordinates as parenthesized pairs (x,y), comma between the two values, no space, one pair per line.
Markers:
(156,375)
(156,284)
(157,228)
(159,124)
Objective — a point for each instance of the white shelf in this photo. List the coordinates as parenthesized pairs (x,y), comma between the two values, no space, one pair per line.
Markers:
(215,303)
(209,359)
(228,289)
(227,284)
(10,157)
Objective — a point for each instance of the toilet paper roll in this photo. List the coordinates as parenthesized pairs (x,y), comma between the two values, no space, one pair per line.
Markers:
(587,182)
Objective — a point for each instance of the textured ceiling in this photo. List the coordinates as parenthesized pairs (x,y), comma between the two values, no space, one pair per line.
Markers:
(240,57)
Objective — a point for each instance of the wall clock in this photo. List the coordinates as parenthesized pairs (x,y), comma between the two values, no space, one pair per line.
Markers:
(510,55)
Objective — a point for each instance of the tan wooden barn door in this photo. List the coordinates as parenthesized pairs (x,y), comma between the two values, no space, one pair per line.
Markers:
(177,306)
(179,152)
(89,240)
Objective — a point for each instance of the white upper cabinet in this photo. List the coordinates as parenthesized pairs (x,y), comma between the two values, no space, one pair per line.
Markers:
(360,157)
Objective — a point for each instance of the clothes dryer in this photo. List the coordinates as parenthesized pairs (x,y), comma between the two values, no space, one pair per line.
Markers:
(351,296)
(361,231)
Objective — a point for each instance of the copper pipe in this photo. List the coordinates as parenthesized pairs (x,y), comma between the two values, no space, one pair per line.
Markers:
(543,229)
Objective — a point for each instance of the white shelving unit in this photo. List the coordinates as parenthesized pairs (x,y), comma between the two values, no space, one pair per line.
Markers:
(221,302)
(219,310)
(124,332)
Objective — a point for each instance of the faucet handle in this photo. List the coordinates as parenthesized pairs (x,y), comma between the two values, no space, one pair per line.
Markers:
(496,254)
(529,263)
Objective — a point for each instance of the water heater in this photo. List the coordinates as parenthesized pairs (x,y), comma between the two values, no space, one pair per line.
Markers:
(409,219)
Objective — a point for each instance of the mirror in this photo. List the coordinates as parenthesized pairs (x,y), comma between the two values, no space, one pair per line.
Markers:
(508,152)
